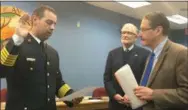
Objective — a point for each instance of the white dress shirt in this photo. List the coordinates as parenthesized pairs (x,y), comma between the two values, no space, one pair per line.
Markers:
(18,40)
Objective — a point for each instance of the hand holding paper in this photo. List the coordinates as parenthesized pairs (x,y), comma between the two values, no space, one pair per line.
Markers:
(143,93)
(81,93)
(128,83)
(77,100)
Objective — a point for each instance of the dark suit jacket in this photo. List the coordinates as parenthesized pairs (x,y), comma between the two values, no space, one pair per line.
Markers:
(33,75)
(169,79)
(115,61)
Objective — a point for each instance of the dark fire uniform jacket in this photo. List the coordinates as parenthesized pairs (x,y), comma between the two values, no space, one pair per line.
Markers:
(33,76)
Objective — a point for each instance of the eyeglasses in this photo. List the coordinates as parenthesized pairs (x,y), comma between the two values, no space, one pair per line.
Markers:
(144,29)
(127,32)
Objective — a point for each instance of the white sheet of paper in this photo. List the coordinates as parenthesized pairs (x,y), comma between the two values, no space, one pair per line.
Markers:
(95,100)
(128,83)
(80,93)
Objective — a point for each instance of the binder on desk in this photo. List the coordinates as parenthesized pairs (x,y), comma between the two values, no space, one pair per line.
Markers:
(128,83)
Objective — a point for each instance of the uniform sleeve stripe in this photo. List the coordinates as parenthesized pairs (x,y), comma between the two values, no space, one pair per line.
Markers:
(5,51)
(63,90)
(6,58)
(8,61)
(3,58)
(13,56)
(10,57)
(7,64)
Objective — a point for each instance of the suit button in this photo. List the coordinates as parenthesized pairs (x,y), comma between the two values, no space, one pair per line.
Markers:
(48,63)
(48,86)
(48,74)
(48,99)
(57,72)
(31,68)
(25,108)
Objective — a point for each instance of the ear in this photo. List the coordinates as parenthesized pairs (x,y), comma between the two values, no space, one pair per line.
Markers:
(34,19)
(159,30)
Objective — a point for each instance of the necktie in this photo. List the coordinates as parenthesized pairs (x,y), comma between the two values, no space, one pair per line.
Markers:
(43,49)
(127,50)
(148,70)
(126,56)
(42,45)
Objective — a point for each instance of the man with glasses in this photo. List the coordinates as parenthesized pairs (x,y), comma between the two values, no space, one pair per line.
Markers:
(130,54)
(164,84)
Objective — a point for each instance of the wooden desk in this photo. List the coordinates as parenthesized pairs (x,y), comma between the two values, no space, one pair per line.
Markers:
(84,105)
(2,106)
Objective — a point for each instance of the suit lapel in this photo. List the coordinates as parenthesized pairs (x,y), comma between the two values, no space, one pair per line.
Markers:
(159,63)
(133,56)
(121,53)
(147,60)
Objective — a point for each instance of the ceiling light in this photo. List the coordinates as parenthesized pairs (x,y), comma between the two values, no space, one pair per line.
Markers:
(177,19)
(133,4)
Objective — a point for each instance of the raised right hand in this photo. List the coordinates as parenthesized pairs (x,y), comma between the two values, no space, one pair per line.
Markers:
(24,25)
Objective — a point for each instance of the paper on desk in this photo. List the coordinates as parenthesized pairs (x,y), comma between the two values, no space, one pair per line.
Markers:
(128,83)
(80,93)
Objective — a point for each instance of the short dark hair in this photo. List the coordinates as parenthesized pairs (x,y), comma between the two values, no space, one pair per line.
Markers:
(40,10)
(158,19)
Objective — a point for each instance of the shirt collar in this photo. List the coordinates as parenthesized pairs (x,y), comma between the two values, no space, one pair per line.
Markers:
(36,38)
(159,47)
(130,48)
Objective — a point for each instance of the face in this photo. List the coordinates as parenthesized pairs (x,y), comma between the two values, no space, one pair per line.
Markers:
(148,35)
(45,25)
(128,35)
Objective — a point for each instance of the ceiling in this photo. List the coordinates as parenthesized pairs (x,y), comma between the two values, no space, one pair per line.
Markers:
(168,8)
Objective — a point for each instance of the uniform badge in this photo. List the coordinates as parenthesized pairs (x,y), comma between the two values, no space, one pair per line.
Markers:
(30,59)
